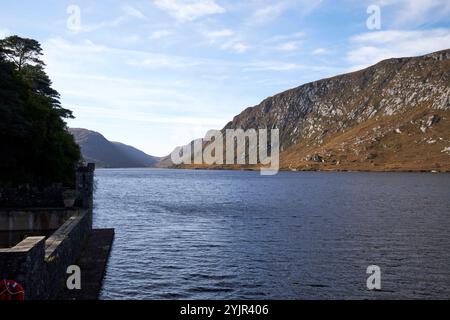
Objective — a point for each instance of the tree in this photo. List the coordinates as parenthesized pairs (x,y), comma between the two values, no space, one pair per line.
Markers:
(35,147)
(25,54)
(41,84)
(22,51)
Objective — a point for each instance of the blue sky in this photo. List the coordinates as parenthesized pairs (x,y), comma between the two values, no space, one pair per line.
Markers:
(157,73)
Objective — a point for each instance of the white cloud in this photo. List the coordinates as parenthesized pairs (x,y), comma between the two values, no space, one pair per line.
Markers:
(189,10)
(275,9)
(128,12)
(132,12)
(288,46)
(240,47)
(139,116)
(56,45)
(213,35)
(110,88)
(158,61)
(286,37)
(280,66)
(159,34)
(4,33)
(373,47)
(235,45)
(287,42)
(272,66)
(417,12)
(86,55)
(129,39)
(268,13)
(225,39)
(320,51)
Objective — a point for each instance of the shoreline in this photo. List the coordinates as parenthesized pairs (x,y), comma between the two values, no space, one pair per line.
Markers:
(289,170)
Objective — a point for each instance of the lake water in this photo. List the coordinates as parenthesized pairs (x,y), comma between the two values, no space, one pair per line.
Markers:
(184,234)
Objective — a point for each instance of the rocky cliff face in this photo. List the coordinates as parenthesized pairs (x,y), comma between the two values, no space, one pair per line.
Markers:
(394,115)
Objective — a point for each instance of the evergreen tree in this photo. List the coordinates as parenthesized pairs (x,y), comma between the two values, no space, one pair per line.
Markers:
(35,147)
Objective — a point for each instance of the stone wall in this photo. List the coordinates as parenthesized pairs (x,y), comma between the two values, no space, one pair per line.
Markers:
(62,249)
(85,185)
(40,265)
(27,196)
(25,264)
(37,219)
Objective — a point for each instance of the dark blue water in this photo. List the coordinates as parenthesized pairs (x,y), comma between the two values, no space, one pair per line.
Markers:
(238,235)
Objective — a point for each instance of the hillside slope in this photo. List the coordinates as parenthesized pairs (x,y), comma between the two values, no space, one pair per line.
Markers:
(96,148)
(392,116)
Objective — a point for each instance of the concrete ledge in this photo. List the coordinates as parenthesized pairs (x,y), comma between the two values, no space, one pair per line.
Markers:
(62,234)
(25,246)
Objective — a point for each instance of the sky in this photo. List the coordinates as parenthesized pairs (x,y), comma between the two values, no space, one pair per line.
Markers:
(156,74)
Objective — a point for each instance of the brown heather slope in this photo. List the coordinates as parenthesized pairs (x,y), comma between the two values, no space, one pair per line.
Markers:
(393,116)
(394,143)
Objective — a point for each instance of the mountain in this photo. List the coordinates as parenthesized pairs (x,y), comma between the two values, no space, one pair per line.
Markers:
(393,116)
(96,148)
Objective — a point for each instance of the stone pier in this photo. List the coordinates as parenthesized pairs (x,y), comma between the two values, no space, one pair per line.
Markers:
(40,264)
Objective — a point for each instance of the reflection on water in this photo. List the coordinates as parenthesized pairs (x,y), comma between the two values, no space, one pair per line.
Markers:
(238,235)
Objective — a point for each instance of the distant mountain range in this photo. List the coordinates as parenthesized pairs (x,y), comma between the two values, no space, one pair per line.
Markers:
(393,116)
(107,154)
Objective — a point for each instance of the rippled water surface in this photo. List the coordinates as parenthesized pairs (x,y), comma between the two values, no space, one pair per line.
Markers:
(232,235)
